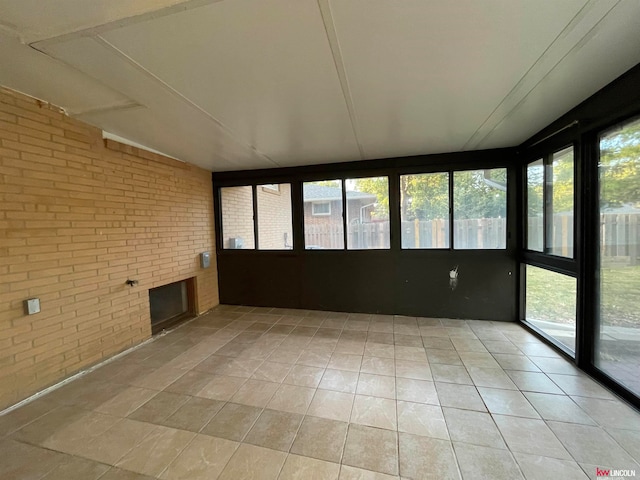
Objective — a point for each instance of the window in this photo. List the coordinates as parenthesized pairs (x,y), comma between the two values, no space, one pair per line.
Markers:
(237,217)
(551,304)
(535,206)
(560,241)
(275,224)
(368,213)
(324,230)
(617,349)
(550,198)
(480,209)
(321,208)
(424,210)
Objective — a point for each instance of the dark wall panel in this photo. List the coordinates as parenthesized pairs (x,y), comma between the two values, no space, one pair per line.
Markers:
(486,287)
(271,280)
(406,283)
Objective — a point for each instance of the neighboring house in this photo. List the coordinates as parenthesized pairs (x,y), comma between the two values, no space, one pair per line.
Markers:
(322,205)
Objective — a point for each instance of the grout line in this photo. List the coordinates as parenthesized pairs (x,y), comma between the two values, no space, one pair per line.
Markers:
(334,345)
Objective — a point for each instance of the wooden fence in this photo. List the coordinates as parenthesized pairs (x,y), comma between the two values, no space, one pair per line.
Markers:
(326,236)
(561,238)
(475,233)
(621,234)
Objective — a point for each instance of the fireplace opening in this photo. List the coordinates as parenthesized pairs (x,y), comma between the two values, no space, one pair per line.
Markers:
(171,304)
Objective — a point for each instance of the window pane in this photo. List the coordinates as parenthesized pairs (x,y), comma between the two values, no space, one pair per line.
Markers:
(480,209)
(618,342)
(368,213)
(425,210)
(323,215)
(551,304)
(561,235)
(237,217)
(535,206)
(274,217)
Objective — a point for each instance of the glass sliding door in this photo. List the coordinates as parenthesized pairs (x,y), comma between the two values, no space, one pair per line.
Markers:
(617,351)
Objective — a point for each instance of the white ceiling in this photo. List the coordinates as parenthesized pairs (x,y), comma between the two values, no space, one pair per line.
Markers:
(244,84)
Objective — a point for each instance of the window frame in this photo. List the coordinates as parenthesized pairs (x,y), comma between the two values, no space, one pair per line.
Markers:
(253,216)
(270,189)
(452,210)
(298,176)
(449,174)
(345,211)
(569,266)
(547,203)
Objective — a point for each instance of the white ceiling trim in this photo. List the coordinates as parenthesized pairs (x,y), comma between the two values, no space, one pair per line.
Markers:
(108,108)
(334,45)
(112,136)
(572,37)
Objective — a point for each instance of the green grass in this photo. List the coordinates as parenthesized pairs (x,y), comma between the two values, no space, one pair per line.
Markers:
(551,296)
(621,296)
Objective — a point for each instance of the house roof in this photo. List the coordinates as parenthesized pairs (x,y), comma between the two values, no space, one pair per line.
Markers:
(314,193)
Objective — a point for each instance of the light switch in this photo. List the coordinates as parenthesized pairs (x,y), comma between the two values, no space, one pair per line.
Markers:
(32,306)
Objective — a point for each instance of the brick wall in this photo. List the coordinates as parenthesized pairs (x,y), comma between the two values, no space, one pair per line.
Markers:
(237,215)
(78,217)
(274,217)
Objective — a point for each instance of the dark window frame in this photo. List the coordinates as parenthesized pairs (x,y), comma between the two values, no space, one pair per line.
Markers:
(392,169)
(268,188)
(569,266)
(547,202)
(449,210)
(452,186)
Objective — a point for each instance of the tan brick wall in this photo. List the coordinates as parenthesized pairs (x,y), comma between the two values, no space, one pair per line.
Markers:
(78,217)
(237,215)
(274,217)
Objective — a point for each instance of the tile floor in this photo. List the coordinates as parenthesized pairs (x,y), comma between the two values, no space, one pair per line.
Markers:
(244,393)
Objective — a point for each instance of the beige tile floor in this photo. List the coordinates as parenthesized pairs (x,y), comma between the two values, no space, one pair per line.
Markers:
(244,393)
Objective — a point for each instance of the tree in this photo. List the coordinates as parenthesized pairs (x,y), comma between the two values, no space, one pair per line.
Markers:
(620,167)
(478,194)
(378,186)
(425,196)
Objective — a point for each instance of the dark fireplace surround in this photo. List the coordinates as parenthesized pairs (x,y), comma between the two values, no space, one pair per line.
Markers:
(171,304)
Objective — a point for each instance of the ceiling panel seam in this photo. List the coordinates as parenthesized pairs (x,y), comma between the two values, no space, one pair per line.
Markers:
(334,46)
(98,81)
(517,95)
(182,98)
(89,30)
(110,108)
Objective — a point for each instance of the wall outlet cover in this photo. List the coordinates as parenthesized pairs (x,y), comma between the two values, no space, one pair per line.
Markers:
(32,305)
